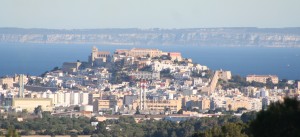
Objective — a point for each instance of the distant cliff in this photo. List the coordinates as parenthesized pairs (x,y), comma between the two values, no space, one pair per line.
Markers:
(266,37)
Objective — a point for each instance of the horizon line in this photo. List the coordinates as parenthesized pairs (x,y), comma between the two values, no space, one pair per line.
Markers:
(153,28)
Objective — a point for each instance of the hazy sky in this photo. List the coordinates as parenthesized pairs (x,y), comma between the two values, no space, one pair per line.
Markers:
(70,14)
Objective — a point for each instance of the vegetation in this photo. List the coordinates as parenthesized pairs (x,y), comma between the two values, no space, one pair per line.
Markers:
(227,130)
(4,86)
(166,73)
(47,125)
(146,68)
(126,126)
(55,68)
(280,119)
(239,82)
(12,133)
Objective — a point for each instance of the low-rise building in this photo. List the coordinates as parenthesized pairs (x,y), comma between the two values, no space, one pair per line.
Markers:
(70,67)
(144,75)
(163,105)
(175,56)
(8,82)
(262,78)
(140,52)
(224,75)
(31,103)
(99,58)
(101,104)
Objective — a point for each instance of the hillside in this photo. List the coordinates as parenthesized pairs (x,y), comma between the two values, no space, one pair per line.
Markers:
(265,37)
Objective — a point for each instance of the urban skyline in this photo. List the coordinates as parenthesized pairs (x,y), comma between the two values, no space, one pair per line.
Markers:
(171,68)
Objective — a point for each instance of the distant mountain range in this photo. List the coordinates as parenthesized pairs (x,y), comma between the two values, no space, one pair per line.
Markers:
(263,37)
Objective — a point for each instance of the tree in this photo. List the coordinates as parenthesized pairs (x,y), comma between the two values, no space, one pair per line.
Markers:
(279,120)
(257,84)
(233,130)
(76,108)
(12,133)
(137,112)
(124,119)
(239,80)
(269,83)
(94,135)
(227,130)
(74,135)
(241,109)
(43,75)
(106,89)
(38,109)
(220,110)
(55,68)
(248,116)
(4,86)
(229,107)
(88,130)
(166,73)
(101,129)
(180,111)
(93,119)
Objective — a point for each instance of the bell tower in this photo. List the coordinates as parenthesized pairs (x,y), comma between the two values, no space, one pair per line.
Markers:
(93,55)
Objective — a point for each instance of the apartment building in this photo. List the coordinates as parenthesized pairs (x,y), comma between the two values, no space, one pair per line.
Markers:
(262,78)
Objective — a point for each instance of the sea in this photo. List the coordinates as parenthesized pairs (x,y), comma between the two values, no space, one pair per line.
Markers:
(35,59)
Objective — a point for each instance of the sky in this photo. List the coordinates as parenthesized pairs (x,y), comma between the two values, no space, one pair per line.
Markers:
(88,14)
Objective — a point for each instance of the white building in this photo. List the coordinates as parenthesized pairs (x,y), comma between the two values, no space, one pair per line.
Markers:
(144,75)
(67,99)
(159,66)
(74,98)
(84,98)
(256,104)
(189,92)
(200,67)
(60,98)
(264,93)
(182,75)
(268,100)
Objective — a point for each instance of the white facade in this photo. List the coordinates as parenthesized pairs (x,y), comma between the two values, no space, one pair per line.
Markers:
(84,98)
(256,104)
(189,92)
(264,93)
(67,98)
(43,95)
(171,96)
(74,98)
(158,66)
(52,97)
(60,98)
(182,75)
(200,67)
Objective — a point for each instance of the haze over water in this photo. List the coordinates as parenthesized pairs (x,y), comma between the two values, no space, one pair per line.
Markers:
(34,59)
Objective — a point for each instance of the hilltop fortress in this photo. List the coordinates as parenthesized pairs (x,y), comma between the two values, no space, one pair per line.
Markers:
(145,81)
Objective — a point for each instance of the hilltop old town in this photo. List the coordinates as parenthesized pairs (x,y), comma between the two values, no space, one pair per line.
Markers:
(141,82)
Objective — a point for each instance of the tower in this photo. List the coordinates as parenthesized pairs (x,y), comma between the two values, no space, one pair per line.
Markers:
(143,104)
(21,86)
(93,55)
